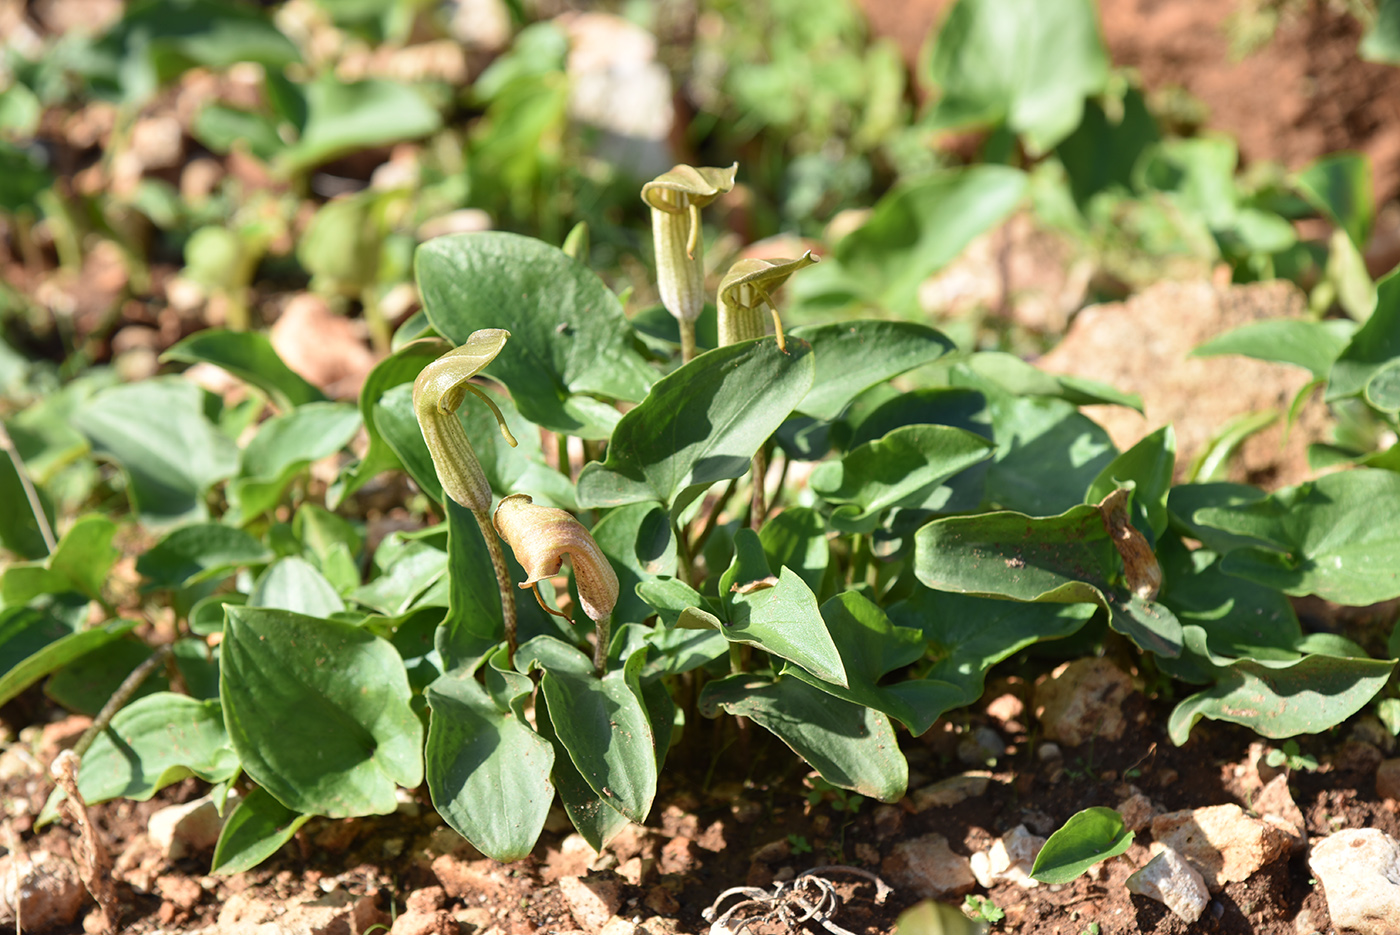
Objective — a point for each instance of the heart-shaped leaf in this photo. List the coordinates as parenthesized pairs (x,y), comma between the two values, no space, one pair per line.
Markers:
(1090,836)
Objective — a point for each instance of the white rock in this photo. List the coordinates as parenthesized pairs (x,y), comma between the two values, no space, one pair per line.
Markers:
(1082,700)
(181,830)
(592,900)
(1009,859)
(1169,879)
(928,868)
(1221,841)
(1359,870)
(1275,804)
(950,791)
(45,890)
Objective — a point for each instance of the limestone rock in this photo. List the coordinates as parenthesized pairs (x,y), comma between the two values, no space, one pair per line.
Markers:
(43,889)
(1275,804)
(1359,869)
(181,830)
(928,868)
(592,900)
(332,914)
(1388,779)
(1137,811)
(1169,879)
(1009,859)
(1083,699)
(950,791)
(1221,842)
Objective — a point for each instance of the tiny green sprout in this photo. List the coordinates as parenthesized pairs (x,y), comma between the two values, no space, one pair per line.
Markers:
(979,907)
(437,394)
(799,844)
(744,292)
(1091,929)
(1292,756)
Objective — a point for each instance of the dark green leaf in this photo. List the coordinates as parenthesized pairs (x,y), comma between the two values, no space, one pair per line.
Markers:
(1090,836)
(249,356)
(88,682)
(1148,465)
(318,712)
(1063,559)
(24,631)
(345,116)
(419,568)
(638,543)
(1099,155)
(903,469)
(1339,185)
(487,769)
(1047,455)
(569,337)
(200,552)
(294,584)
(19,628)
(1382,42)
(1313,345)
(221,128)
(284,446)
(796,539)
(19,529)
(1019,378)
(153,742)
(256,829)
(851,745)
(1374,345)
(700,424)
(853,356)
(593,815)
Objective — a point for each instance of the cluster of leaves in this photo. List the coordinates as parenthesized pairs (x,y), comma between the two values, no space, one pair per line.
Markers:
(958,507)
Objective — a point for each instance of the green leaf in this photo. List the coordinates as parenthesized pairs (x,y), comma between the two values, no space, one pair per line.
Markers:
(779,617)
(1021,63)
(153,742)
(903,469)
(80,563)
(853,356)
(22,179)
(200,552)
(419,568)
(88,682)
(319,712)
(22,627)
(519,469)
(1063,559)
(1374,345)
(1313,345)
(1278,698)
(1148,465)
(294,584)
(222,128)
(400,367)
(488,771)
(24,631)
(796,539)
(920,226)
(931,918)
(1339,185)
(569,337)
(256,829)
(675,602)
(1090,836)
(19,529)
(170,452)
(1382,42)
(343,116)
(700,424)
(249,356)
(1100,154)
(852,746)
(283,447)
(1019,378)
(638,543)
(1337,537)
(591,813)
(1047,455)
(602,723)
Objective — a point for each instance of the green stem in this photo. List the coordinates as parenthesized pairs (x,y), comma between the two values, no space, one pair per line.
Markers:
(30,493)
(381,335)
(684,571)
(687,340)
(498,565)
(860,559)
(561,453)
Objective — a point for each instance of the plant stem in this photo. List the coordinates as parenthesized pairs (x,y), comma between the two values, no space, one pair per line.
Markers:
(120,697)
(687,340)
(561,454)
(30,493)
(758,511)
(860,559)
(381,332)
(712,520)
(600,651)
(498,565)
(684,572)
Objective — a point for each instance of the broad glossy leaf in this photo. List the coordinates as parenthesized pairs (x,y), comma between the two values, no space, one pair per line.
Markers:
(592,814)
(1021,63)
(780,617)
(915,230)
(1100,154)
(853,356)
(852,746)
(153,742)
(19,529)
(1339,185)
(400,367)
(1337,537)
(294,584)
(569,337)
(1090,836)
(1020,378)
(1063,559)
(1382,42)
(602,723)
(255,830)
(676,603)
(904,469)
(249,356)
(343,116)
(700,424)
(1374,345)
(1185,499)
(796,539)
(1047,455)
(417,569)
(283,447)
(88,682)
(397,424)
(968,635)
(1278,698)
(170,452)
(319,712)
(25,630)
(521,469)
(638,543)
(200,552)
(474,619)
(487,769)
(1313,345)
(1148,465)
(80,563)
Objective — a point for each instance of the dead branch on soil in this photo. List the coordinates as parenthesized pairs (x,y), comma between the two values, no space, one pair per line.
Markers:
(807,897)
(94,863)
